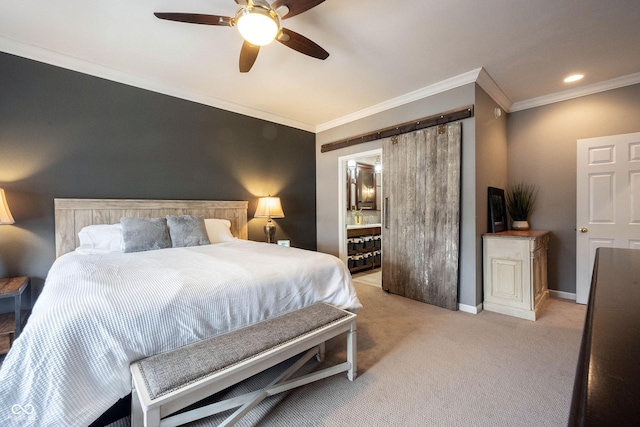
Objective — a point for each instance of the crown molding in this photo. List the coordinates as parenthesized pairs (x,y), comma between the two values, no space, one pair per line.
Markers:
(442,86)
(628,80)
(97,70)
(493,90)
(478,75)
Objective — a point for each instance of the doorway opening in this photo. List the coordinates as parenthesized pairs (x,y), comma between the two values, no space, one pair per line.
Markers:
(360,212)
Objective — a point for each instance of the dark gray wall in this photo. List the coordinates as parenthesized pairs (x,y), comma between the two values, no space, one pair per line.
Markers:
(66,134)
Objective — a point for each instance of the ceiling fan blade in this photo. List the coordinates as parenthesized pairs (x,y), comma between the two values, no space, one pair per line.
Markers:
(302,44)
(197,18)
(295,7)
(248,55)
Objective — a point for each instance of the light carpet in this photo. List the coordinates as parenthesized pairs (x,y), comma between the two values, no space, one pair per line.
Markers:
(420,365)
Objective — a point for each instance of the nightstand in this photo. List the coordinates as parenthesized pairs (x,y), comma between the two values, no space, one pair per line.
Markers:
(11,323)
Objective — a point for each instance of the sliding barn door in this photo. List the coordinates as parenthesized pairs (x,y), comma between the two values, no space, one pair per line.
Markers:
(421,225)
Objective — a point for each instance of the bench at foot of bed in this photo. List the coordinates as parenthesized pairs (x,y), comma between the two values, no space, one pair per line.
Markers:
(166,383)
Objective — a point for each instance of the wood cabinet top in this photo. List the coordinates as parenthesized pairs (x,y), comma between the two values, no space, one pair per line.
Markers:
(529,234)
(363,231)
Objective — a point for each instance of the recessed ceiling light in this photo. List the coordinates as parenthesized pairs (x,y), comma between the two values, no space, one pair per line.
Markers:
(573,78)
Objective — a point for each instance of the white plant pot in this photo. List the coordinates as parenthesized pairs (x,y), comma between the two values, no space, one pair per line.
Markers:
(520,225)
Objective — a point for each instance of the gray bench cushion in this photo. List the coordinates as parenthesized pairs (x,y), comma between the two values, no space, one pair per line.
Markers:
(172,370)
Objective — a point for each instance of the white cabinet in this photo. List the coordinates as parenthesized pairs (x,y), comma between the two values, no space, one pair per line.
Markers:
(515,272)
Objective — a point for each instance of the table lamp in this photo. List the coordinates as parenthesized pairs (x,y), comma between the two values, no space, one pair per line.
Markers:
(269,207)
(5,213)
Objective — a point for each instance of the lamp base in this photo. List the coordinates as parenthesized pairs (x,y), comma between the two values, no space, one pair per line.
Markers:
(270,231)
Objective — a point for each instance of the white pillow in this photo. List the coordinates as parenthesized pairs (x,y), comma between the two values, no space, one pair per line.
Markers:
(218,230)
(100,239)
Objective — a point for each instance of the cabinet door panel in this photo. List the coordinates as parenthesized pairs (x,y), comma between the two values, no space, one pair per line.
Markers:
(506,280)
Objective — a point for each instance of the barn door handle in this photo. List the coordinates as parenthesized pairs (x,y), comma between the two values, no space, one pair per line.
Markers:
(385,212)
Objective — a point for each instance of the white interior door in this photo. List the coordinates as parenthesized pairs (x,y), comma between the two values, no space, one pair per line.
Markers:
(608,201)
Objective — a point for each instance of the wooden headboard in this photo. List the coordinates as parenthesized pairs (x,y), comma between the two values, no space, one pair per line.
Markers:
(73,214)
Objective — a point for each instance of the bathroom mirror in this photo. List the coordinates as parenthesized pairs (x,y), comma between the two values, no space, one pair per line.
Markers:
(361,187)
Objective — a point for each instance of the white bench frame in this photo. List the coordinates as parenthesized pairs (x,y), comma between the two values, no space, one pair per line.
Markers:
(156,412)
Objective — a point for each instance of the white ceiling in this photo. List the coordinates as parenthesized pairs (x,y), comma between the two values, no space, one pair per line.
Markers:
(380,51)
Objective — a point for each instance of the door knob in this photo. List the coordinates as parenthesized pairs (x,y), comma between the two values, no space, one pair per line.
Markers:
(584,230)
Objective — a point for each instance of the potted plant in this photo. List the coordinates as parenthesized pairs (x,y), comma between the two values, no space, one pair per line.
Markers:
(520,201)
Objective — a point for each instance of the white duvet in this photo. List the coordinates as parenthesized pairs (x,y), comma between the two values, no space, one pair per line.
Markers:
(99,313)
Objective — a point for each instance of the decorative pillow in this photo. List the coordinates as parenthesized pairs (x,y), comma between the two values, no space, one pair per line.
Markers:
(144,234)
(100,239)
(187,230)
(218,230)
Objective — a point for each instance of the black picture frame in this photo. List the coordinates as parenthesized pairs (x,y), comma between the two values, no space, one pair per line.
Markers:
(497,210)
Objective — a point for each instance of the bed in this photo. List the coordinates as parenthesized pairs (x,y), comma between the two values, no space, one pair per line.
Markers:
(100,312)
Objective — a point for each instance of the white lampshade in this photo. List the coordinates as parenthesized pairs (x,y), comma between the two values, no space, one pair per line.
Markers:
(269,207)
(5,213)
(257,25)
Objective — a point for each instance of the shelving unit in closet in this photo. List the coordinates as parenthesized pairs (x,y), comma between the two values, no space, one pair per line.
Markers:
(364,247)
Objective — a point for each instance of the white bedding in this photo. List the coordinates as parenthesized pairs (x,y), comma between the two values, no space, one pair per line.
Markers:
(99,313)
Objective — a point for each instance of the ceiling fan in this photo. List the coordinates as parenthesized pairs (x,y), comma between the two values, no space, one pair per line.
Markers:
(259,24)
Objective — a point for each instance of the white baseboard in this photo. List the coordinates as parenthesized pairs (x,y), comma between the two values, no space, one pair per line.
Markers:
(562,294)
(470,308)
(552,293)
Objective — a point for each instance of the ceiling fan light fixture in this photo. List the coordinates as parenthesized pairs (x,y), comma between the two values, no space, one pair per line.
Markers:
(258,25)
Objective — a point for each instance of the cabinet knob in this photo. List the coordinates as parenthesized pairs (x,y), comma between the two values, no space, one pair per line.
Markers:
(584,230)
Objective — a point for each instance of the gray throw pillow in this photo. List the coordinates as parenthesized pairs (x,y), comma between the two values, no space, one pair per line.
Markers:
(144,234)
(187,230)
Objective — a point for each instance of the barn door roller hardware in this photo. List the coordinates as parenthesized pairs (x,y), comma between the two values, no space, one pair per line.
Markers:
(426,122)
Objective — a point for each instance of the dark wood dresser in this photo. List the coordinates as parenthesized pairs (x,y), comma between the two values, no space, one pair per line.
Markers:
(607,385)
